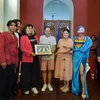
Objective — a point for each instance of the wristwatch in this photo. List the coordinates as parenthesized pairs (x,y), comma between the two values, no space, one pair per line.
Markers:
(19,74)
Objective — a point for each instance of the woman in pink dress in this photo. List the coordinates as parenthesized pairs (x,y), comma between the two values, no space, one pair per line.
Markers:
(63,67)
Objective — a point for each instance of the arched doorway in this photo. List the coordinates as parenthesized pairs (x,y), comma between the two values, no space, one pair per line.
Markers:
(59,10)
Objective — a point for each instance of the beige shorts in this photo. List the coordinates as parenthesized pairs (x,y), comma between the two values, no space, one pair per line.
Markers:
(47,64)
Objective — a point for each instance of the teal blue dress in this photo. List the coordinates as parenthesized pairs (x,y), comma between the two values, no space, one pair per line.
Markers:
(80,55)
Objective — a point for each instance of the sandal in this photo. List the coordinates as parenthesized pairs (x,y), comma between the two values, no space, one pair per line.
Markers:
(62,87)
(65,90)
(83,94)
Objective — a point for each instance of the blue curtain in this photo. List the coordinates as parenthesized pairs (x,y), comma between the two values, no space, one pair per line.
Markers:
(44,28)
(58,32)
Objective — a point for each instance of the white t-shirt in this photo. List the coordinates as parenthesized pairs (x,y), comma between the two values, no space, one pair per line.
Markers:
(47,40)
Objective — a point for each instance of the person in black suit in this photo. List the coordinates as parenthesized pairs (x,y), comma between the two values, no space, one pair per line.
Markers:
(18,34)
(98,56)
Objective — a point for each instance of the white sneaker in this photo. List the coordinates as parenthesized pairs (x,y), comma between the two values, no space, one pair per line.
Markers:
(26,92)
(44,87)
(50,87)
(34,90)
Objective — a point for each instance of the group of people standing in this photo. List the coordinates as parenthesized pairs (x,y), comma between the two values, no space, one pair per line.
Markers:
(19,63)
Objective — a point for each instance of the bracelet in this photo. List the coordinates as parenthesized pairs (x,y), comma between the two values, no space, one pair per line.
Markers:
(19,74)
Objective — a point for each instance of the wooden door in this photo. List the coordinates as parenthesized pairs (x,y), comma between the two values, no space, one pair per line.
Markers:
(55,24)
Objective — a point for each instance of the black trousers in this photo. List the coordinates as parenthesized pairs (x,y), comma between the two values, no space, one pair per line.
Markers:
(2,82)
(10,80)
(17,86)
(30,75)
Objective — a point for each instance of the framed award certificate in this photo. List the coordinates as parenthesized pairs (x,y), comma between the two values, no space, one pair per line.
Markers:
(43,49)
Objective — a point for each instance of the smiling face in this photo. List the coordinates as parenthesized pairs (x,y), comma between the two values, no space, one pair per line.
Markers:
(29,30)
(65,34)
(47,31)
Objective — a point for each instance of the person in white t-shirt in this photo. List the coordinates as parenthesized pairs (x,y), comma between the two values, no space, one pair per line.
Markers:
(47,62)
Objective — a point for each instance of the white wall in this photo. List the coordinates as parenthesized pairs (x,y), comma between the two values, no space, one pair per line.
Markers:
(9,9)
(1,14)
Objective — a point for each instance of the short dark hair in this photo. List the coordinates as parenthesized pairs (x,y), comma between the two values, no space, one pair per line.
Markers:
(24,29)
(67,31)
(10,22)
(17,20)
(47,27)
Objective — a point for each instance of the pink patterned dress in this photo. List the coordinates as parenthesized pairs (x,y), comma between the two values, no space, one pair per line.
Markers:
(63,66)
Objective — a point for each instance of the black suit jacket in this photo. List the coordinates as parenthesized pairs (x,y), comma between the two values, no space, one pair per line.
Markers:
(98,45)
(19,51)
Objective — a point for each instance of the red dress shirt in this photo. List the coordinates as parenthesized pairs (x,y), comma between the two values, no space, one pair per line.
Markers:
(8,48)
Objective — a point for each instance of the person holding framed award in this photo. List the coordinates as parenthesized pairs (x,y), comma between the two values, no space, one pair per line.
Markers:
(30,71)
(47,61)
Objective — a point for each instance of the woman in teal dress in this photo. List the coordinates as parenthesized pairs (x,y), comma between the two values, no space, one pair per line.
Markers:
(81,51)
